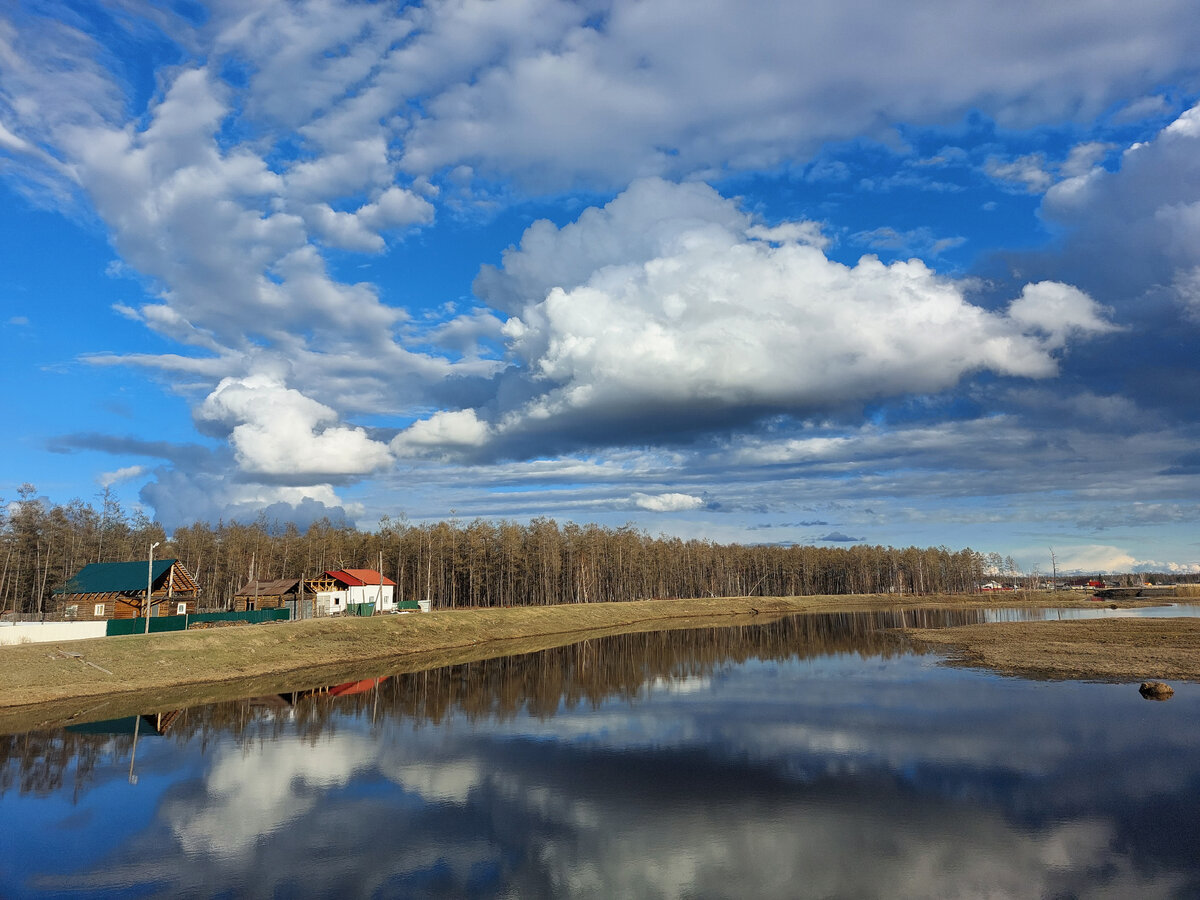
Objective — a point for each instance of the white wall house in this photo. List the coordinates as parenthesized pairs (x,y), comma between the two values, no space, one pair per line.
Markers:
(340,588)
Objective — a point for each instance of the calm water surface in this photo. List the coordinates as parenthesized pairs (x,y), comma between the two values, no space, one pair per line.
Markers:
(811,757)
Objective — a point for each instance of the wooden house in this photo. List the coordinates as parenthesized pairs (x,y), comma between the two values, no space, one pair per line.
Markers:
(118,591)
(280,593)
(339,588)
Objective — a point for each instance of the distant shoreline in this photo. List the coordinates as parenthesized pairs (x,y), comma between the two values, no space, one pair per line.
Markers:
(48,685)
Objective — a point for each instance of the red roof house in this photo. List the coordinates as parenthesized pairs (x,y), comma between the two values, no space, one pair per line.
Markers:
(345,590)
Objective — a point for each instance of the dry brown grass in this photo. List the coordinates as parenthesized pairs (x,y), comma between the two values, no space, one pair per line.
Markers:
(1092,650)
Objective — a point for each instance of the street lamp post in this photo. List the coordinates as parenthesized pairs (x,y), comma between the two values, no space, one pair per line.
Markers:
(149,583)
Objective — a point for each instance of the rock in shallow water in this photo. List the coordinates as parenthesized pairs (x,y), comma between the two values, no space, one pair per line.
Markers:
(1156,690)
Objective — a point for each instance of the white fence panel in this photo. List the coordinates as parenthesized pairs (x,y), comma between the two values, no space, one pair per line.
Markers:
(41,632)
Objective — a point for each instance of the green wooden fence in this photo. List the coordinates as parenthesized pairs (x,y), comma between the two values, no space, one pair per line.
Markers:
(180,623)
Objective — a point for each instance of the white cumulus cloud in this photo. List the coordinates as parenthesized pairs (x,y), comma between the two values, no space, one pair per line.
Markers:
(667,502)
(442,430)
(1059,311)
(276,430)
(666,303)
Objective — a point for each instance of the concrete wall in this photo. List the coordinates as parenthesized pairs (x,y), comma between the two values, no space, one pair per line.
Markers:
(40,632)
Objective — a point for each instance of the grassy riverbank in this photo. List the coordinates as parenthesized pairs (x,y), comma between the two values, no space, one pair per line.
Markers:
(43,685)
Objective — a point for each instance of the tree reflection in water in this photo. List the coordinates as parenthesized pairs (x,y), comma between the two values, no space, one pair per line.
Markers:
(539,684)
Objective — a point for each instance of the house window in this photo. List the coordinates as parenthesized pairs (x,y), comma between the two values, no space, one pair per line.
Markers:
(72,611)
(181,609)
(99,610)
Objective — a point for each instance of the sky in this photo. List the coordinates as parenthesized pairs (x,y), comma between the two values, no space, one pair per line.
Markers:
(753,272)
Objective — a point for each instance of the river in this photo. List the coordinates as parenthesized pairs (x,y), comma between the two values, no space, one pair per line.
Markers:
(814,756)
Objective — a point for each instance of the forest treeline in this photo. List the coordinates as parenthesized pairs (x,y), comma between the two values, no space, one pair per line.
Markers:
(454,564)
(477,563)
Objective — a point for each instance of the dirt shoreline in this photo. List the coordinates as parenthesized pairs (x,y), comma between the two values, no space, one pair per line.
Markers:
(1113,650)
(51,684)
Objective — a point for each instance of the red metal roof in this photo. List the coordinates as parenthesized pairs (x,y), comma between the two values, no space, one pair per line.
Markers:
(358,577)
(356,687)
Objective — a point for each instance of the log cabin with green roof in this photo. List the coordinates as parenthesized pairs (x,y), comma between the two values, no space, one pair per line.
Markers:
(117,590)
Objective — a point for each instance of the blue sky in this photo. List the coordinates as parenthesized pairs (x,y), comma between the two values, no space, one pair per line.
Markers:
(746,272)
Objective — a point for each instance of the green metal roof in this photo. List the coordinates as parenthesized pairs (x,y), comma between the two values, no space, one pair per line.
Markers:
(103,578)
(114,726)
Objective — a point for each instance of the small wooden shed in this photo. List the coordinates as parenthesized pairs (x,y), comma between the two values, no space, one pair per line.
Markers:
(117,590)
(266,594)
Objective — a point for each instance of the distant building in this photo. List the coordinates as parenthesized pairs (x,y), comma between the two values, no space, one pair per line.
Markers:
(280,593)
(337,589)
(118,591)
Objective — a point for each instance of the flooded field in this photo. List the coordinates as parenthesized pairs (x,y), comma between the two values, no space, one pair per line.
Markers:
(812,756)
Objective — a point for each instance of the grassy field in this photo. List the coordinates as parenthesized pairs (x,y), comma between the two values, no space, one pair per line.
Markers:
(43,685)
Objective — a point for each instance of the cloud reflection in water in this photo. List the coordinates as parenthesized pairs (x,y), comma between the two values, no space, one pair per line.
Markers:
(811,774)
